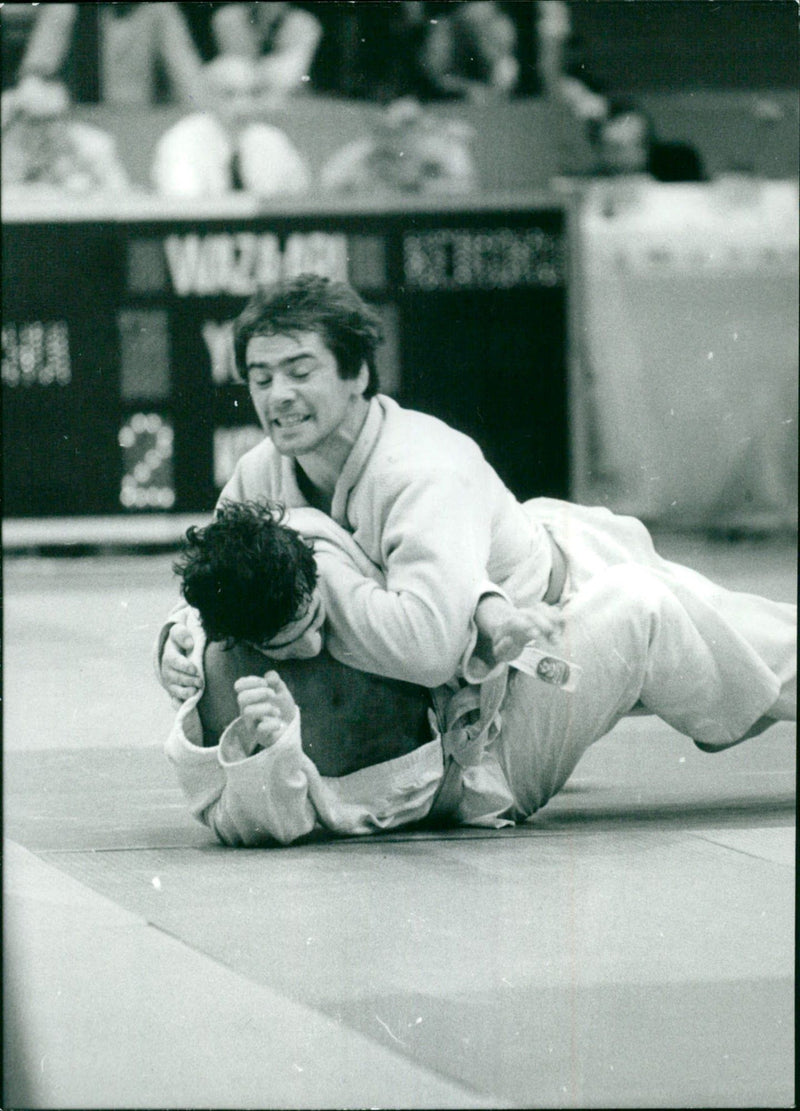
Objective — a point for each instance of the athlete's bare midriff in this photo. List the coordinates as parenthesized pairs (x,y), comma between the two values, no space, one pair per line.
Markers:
(350,719)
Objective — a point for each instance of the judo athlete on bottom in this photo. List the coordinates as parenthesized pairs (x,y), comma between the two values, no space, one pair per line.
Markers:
(432,578)
(284,741)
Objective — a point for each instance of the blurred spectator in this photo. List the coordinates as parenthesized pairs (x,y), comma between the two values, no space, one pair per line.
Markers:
(43,147)
(408,152)
(562,66)
(621,136)
(470,52)
(16,25)
(626,143)
(370,51)
(115,53)
(227,147)
(280,38)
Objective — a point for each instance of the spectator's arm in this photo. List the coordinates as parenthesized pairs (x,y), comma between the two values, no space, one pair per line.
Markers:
(293,53)
(192,159)
(436,61)
(346,168)
(270,163)
(181,58)
(553,27)
(50,41)
(553,32)
(293,50)
(233,32)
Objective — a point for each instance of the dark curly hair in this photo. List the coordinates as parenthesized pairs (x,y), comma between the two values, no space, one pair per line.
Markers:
(247,573)
(351,330)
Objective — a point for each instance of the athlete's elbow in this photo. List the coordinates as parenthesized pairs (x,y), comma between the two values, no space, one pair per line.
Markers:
(436,677)
(432,669)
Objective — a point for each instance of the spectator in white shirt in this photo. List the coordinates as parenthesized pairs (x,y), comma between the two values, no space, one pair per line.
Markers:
(227,146)
(44,149)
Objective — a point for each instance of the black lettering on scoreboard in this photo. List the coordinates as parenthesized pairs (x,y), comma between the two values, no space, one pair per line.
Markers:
(59,370)
(120,391)
(484,343)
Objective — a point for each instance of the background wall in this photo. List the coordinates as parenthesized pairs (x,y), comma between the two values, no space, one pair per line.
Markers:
(684,399)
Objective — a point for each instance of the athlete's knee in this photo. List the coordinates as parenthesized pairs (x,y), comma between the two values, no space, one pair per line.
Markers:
(622,605)
(632,587)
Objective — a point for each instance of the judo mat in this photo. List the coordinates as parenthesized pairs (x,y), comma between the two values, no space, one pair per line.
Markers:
(631,946)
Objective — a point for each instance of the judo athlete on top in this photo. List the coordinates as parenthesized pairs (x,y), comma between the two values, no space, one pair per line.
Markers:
(429,530)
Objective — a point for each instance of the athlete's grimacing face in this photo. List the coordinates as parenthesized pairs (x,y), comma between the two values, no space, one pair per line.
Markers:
(301,402)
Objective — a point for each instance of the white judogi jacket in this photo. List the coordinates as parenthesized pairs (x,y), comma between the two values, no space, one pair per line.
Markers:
(421,502)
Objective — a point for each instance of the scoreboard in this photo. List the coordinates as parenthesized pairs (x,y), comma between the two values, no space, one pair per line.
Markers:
(120,393)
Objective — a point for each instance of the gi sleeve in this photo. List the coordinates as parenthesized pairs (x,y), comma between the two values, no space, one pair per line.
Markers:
(434,550)
(266,794)
(247,798)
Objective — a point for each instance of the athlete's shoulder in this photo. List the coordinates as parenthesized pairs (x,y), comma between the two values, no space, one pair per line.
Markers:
(257,473)
(262,454)
(422,440)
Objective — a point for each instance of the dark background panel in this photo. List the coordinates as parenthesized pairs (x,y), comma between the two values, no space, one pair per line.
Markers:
(58,265)
(60,450)
(192,405)
(679,44)
(494,366)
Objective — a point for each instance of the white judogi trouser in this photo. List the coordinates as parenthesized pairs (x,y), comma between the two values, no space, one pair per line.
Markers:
(709,661)
(594,539)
